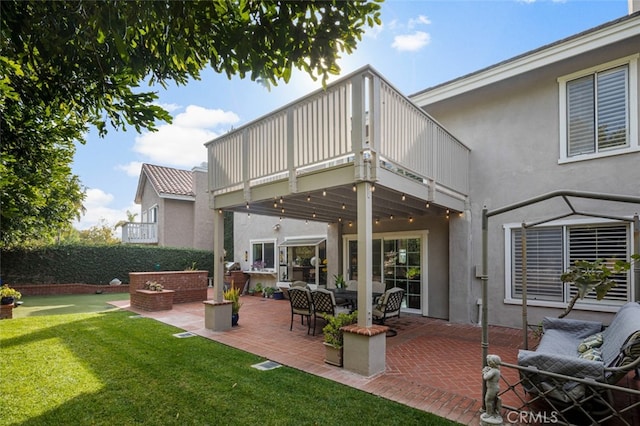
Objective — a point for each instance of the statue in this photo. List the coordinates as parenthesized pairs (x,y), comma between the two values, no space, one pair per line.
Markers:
(492,402)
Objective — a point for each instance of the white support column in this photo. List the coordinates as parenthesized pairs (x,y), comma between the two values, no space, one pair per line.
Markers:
(365,254)
(217,313)
(218,256)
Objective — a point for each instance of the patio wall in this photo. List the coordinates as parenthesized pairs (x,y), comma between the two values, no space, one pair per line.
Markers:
(189,286)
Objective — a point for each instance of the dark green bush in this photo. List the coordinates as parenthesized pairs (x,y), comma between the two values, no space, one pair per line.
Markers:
(96,264)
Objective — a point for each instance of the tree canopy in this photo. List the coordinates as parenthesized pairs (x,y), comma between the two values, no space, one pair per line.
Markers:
(68,65)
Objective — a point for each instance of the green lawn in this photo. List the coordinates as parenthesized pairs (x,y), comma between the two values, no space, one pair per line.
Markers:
(66,304)
(115,368)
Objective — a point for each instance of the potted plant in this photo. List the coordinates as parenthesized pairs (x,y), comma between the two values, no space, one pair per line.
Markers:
(413,273)
(153,286)
(258,289)
(333,336)
(340,282)
(233,296)
(278,294)
(8,295)
(597,275)
(268,292)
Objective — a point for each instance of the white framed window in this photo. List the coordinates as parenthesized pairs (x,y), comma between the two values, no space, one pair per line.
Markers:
(263,254)
(153,214)
(552,249)
(598,111)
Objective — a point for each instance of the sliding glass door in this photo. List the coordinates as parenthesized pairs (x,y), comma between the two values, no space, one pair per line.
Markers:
(397,262)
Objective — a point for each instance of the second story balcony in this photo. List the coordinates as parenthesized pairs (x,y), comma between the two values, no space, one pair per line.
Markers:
(140,233)
(314,151)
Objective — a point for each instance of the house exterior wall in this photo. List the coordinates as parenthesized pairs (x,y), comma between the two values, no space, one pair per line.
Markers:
(177,223)
(149,199)
(512,128)
(257,227)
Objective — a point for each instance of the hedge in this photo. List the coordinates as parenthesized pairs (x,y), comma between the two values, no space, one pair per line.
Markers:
(66,264)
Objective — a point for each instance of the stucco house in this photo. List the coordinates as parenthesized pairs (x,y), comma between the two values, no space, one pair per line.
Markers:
(399,182)
(175,213)
(174,210)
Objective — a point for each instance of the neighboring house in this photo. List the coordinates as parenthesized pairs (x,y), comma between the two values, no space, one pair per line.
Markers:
(175,213)
(174,209)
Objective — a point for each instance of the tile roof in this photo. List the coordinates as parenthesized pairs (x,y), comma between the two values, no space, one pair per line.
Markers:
(169,181)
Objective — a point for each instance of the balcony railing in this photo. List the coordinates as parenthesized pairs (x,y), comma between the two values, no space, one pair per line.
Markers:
(140,233)
(359,113)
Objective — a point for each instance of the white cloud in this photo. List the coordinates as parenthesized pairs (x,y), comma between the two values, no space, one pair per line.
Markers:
(131,169)
(98,211)
(181,144)
(197,116)
(170,107)
(411,42)
(420,20)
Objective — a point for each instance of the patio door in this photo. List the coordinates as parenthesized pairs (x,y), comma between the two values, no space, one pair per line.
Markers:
(398,260)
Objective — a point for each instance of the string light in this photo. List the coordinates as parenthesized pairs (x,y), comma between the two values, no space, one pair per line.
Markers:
(391,217)
(377,220)
(314,214)
(248,214)
(350,224)
(282,210)
(343,206)
(373,188)
(354,188)
(403,197)
(340,219)
(324,192)
(281,200)
(220,211)
(427,205)
(410,219)
(308,197)
(247,204)
(275,204)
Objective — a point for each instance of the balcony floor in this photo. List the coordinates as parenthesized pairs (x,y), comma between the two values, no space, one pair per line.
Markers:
(432,365)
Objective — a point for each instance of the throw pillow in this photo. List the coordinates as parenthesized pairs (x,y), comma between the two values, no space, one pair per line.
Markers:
(593,341)
(592,354)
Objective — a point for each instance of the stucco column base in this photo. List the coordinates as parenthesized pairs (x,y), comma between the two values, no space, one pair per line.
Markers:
(217,315)
(365,349)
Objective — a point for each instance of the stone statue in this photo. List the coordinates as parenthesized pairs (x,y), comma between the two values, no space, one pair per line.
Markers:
(492,402)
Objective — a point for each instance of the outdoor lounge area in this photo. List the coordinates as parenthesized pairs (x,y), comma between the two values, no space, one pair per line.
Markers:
(431,364)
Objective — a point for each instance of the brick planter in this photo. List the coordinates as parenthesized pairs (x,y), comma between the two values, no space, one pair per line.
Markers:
(190,286)
(6,311)
(150,300)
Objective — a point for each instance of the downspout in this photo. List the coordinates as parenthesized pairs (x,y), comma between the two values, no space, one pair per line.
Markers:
(523,238)
(485,311)
(636,250)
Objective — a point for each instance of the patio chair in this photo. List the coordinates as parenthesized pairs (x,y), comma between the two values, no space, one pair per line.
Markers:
(301,304)
(299,284)
(352,285)
(388,305)
(324,302)
(377,287)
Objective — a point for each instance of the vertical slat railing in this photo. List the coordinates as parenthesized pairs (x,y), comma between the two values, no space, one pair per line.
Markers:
(322,127)
(415,142)
(318,129)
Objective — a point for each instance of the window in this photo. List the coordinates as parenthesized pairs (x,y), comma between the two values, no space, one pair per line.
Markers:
(153,214)
(550,250)
(597,112)
(263,254)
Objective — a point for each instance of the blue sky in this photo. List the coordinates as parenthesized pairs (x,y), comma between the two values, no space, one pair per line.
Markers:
(421,43)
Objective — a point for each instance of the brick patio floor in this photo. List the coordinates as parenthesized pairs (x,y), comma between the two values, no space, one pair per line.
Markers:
(432,365)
